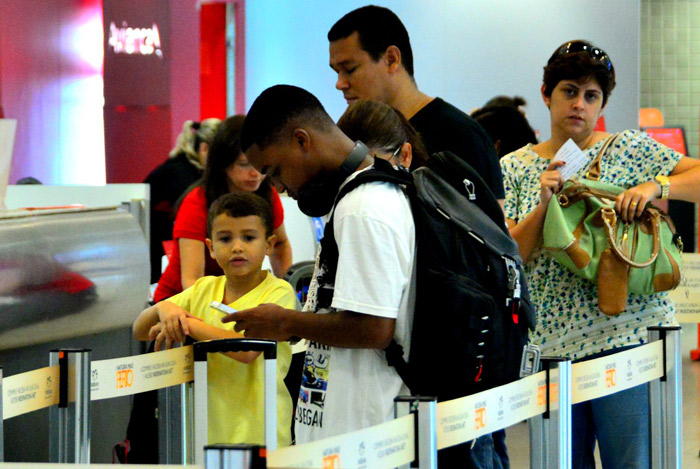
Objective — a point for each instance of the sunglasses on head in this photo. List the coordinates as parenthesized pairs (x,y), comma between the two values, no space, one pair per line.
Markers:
(572,47)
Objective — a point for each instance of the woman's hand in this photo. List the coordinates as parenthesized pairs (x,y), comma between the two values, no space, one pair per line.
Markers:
(630,204)
(551,182)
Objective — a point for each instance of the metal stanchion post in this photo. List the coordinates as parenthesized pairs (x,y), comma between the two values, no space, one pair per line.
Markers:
(550,433)
(187,422)
(425,411)
(666,403)
(175,425)
(2,437)
(234,457)
(201,349)
(69,440)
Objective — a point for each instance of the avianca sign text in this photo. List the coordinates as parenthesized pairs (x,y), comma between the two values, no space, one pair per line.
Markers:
(142,41)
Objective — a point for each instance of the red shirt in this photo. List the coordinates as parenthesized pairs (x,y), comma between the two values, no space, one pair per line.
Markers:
(191,223)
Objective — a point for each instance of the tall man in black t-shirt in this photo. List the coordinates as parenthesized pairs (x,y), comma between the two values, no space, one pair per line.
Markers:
(371,53)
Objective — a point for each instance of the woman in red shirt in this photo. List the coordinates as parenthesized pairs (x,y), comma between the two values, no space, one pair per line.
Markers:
(227,170)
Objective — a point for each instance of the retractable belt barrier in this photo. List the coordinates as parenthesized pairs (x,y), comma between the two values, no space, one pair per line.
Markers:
(464,419)
(389,444)
(130,375)
(35,465)
(30,391)
(542,396)
(687,295)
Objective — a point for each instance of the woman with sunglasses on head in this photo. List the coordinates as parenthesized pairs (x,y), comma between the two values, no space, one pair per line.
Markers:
(577,83)
(227,170)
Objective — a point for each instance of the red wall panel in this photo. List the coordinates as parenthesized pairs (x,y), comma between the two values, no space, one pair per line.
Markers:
(213,60)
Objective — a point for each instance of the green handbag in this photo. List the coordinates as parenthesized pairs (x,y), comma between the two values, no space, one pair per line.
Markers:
(583,232)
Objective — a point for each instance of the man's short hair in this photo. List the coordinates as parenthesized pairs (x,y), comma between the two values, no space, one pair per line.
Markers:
(239,205)
(278,110)
(377,29)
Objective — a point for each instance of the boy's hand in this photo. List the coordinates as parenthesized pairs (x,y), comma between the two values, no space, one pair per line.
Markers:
(161,339)
(155,331)
(266,321)
(174,321)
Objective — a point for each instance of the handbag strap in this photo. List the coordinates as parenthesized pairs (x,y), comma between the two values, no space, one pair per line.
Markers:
(594,169)
(610,220)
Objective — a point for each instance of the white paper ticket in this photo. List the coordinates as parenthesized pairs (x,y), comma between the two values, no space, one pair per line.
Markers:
(574,158)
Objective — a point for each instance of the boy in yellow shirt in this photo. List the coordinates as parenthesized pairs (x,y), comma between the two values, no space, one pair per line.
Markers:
(239,235)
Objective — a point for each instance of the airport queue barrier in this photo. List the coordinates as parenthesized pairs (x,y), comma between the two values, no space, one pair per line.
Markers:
(421,426)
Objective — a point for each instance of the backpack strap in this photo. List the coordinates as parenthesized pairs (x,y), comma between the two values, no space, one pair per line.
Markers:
(595,169)
(394,357)
(383,171)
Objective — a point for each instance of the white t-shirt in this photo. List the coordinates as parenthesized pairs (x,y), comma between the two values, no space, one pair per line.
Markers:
(344,389)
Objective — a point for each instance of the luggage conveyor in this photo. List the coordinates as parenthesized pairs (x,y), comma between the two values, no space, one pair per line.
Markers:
(69,277)
(65,273)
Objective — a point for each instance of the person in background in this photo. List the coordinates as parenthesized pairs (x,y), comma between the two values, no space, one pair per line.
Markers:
(386,132)
(27,180)
(507,127)
(239,235)
(370,50)
(227,170)
(578,79)
(371,53)
(517,102)
(172,178)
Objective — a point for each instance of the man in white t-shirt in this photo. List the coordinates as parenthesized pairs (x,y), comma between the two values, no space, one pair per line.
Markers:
(357,307)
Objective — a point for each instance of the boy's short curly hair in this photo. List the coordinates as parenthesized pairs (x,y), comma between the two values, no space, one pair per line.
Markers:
(238,205)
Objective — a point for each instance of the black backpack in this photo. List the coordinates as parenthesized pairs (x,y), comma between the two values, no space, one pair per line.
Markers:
(472,311)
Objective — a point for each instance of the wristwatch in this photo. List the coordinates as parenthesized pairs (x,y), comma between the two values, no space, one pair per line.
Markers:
(664,184)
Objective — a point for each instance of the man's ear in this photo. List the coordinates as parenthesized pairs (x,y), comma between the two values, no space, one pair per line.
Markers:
(271,241)
(546,99)
(392,57)
(210,246)
(302,139)
(497,145)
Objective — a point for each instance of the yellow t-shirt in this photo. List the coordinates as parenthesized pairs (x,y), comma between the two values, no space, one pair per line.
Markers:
(236,390)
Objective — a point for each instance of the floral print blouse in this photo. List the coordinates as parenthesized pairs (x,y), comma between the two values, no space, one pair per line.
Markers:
(569,323)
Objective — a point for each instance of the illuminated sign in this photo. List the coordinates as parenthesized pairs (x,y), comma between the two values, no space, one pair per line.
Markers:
(141,41)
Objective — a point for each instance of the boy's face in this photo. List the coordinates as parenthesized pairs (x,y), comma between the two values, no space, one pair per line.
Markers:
(239,244)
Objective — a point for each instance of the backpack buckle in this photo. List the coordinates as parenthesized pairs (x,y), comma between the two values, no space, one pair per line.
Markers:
(530,361)
(469,187)
(514,289)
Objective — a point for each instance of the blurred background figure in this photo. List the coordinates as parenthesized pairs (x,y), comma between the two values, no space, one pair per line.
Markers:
(28,180)
(227,170)
(518,102)
(506,125)
(172,178)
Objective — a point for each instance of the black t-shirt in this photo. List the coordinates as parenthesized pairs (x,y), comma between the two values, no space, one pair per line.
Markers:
(443,127)
(168,182)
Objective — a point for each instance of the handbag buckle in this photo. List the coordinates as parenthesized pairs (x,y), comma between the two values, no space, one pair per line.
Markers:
(563,200)
(678,241)
(609,214)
